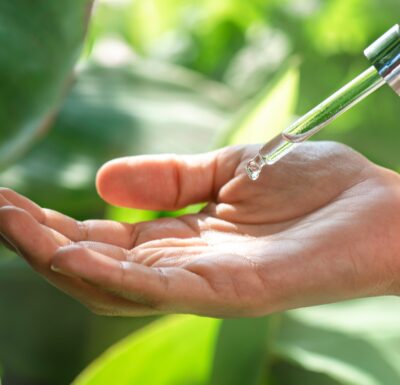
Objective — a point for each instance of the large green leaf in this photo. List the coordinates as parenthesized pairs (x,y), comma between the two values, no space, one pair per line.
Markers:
(241,352)
(40,42)
(175,350)
(354,342)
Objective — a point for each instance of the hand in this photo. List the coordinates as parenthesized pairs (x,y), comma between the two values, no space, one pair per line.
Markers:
(321,225)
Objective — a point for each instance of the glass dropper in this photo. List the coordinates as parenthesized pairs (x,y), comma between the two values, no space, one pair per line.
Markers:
(385,57)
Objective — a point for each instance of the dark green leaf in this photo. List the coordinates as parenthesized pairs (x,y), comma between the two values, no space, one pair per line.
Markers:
(41,329)
(285,373)
(40,42)
(345,357)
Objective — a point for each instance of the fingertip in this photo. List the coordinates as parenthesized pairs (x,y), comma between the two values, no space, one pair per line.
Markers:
(12,219)
(166,182)
(106,178)
(22,202)
(145,182)
(77,261)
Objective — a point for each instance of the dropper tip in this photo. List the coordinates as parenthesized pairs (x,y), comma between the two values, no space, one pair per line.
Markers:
(254,167)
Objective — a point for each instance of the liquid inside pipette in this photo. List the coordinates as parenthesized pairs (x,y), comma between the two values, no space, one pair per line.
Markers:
(312,122)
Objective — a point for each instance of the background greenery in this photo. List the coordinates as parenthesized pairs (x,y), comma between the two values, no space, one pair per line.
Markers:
(180,76)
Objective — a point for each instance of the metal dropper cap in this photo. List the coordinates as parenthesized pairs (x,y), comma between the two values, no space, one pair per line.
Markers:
(384,54)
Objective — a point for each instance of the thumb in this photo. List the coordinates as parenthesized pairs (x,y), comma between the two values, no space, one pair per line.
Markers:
(167,182)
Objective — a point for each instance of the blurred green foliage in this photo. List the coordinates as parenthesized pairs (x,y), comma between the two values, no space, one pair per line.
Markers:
(35,66)
(354,342)
(180,76)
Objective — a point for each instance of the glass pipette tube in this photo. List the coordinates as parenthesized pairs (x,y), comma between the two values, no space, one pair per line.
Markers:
(316,119)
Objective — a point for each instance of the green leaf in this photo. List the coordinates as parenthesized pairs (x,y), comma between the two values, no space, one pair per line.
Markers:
(47,337)
(373,318)
(287,373)
(192,209)
(122,214)
(347,357)
(241,352)
(36,321)
(269,114)
(175,350)
(40,42)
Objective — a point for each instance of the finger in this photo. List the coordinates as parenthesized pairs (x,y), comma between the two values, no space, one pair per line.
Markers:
(5,242)
(104,231)
(22,202)
(167,182)
(121,235)
(165,289)
(63,229)
(35,241)
(94,230)
(38,244)
(124,235)
(59,222)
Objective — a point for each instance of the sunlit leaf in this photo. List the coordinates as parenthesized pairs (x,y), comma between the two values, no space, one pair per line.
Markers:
(269,114)
(175,350)
(324,339)
(376,318)
(40,42)
(192,209)
(241,352)
(122,214)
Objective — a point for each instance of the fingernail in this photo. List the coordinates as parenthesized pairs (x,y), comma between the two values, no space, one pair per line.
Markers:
(69,247)
(56,269)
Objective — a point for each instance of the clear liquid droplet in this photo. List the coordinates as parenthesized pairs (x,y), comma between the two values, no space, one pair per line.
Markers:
(254,167)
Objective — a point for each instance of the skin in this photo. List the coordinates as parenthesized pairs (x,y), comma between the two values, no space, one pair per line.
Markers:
(321,225)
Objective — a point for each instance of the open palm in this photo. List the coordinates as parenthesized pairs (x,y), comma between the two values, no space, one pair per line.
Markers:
(319,226)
